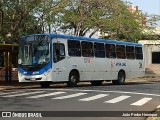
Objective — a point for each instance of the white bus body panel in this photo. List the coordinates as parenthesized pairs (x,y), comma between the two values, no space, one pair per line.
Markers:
(90,68)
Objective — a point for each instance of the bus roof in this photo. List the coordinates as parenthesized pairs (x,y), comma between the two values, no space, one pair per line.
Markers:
(91,39)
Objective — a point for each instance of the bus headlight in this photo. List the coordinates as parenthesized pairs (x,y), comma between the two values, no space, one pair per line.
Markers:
(20,74)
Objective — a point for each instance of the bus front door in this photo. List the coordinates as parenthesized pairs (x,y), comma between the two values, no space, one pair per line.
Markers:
(59,61)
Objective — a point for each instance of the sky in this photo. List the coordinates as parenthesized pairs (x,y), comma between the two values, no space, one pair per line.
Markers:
(147,6)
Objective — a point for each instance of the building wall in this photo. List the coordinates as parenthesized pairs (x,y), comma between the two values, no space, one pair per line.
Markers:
(150,46)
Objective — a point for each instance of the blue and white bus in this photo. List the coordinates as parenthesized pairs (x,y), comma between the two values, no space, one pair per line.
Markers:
(47,58)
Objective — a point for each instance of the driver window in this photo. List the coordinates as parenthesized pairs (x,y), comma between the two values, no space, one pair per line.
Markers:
(58,52)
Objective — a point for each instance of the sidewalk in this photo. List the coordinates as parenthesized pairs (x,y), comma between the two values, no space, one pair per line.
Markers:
(149,78)
(16,85)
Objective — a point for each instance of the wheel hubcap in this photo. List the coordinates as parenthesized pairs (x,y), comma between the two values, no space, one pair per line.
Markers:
(73,79)
(121,78)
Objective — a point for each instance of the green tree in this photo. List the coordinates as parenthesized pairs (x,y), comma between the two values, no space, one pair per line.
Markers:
(151,30)
(17,20)
(23,17)
(75,17)
(47,14)
(148,23)
(109,16)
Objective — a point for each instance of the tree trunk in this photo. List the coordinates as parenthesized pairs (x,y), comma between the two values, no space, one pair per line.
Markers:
(93,32)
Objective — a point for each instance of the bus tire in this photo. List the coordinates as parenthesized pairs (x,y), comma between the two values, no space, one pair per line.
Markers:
(120,78)
(96,83)
(45,84)
(73,79)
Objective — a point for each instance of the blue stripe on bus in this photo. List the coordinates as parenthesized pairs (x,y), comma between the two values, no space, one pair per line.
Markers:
(90,39)
(39,72)
(94,40)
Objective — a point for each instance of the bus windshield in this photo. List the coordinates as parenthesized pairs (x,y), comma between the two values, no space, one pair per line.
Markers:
(34,50)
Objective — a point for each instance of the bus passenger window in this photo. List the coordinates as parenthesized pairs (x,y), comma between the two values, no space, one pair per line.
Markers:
(130,52)
(87,49)
(110,51)
(58,52)
(139,53)
(99,50)
(120,50)
(74,48)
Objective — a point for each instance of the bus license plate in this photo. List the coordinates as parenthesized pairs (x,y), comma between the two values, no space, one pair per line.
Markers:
(33,79)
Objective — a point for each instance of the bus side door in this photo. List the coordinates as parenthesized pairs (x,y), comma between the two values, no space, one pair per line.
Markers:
(59,68)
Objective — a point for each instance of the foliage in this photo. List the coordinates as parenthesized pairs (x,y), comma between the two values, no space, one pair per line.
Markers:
(74,17)
(109,16)
(16,19)
(151,32)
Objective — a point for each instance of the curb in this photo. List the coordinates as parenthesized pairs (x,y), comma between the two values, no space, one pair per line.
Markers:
(11,88)
(155,112)
(144,79)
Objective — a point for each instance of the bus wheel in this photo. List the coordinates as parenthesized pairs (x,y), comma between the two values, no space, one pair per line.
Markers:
(73,79)
(45,84)
(96,83)
(120,80)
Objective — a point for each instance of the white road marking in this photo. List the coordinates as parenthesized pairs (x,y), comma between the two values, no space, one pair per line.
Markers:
(22,94)
(44,95)
(121,92)
(117,99)
(158,107)
(10,92)
(70,96)
(93,97)
(141,101)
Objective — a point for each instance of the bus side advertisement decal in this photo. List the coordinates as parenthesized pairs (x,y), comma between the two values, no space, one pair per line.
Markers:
(140,65)
(87,60)
(113,64)
(120,64)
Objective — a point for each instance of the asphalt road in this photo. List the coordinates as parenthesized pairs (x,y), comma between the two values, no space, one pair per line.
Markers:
(85,102)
